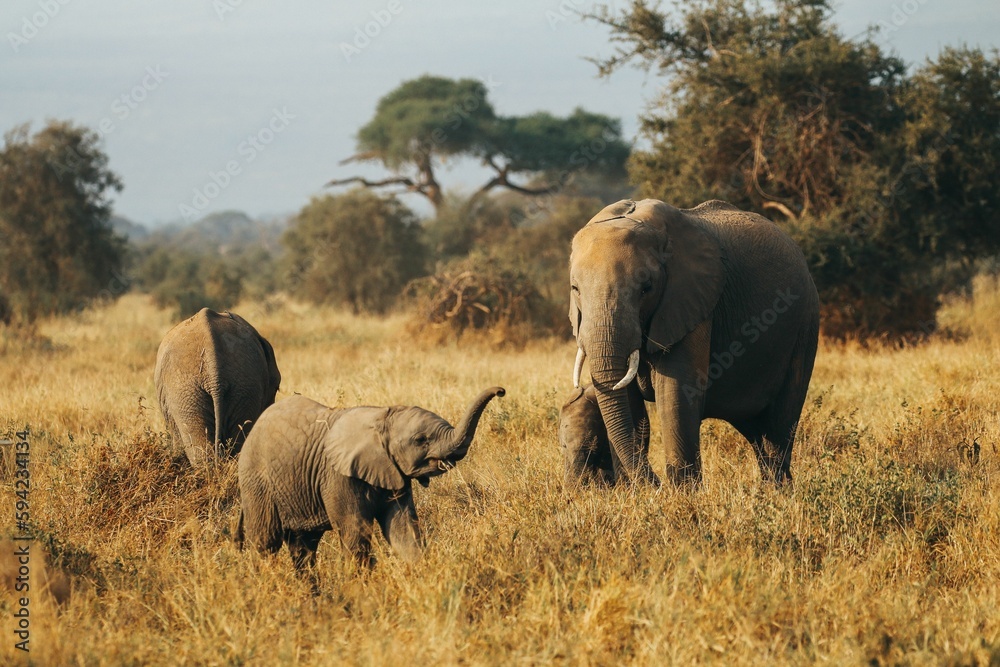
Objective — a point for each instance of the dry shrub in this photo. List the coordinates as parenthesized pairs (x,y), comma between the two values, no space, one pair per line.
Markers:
(479,294)
(140,485)
(973,315)
(53,582)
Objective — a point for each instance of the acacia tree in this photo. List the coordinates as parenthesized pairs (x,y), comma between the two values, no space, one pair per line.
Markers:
(769,107)
(57,247)
(430,119)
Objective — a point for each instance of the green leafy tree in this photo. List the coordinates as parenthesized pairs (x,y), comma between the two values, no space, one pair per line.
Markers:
(57,247)
(430,119)
(357,250)
(949,152)
(880,176)
(762,108)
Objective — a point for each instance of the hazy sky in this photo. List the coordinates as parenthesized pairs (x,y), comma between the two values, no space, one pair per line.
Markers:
(183,89)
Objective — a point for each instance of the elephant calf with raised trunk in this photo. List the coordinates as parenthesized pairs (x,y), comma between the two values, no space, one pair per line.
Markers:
(307,469)
(709,312)
(214,376)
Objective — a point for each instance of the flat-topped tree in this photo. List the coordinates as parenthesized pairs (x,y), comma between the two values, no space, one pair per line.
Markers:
(429,119)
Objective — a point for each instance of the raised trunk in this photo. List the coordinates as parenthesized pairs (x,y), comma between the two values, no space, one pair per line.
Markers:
(465,431)
(608,365)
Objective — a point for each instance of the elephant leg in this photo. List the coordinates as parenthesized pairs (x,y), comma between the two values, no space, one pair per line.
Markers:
(680,381)
(400,527)
(240,407)
(351,514)
(302,545)
(178,457)
(772,445)
(772,434)
(260,525)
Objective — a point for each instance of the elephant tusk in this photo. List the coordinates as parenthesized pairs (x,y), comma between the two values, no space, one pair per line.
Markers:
(633,368)
(578,367)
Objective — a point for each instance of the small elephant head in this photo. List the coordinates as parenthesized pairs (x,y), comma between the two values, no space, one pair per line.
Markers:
(584,441)
(389,446)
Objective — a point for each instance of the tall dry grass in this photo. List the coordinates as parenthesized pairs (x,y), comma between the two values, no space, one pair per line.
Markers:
(886,551)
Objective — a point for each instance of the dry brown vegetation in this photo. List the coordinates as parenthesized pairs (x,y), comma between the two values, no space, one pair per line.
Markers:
(886,551)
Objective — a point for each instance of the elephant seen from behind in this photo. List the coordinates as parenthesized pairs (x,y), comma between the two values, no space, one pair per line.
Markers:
(707,312)
(307,469)
(214,376)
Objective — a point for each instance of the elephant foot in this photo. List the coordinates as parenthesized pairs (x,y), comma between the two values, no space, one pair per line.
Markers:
(685,477)
(644,476)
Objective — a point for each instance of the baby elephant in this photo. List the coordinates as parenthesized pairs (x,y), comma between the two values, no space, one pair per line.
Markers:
(588,457)
(584,441)
(214,376)
(307,469)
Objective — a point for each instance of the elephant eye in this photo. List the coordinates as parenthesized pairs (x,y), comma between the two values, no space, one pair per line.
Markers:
(575,288)
(646,288)
(420,439)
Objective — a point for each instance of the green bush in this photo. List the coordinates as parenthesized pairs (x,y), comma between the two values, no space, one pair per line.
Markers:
(187,281)
(357,250)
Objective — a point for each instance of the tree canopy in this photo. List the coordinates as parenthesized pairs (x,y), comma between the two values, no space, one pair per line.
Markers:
(427,120)
(57,247)
(357,249)
(882,175)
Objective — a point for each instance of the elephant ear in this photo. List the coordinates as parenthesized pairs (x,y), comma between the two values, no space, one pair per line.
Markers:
(695,274)
(357,446)
(574,314)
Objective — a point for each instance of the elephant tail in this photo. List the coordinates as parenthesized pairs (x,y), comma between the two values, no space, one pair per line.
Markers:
(217,444)
(238,537)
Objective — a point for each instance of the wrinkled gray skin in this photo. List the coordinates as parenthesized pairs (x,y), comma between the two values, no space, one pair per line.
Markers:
(214,376)
(307,469)
(720,308)
(587,453)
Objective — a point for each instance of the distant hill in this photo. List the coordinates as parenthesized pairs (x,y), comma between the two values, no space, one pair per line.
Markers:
(225,233)
(133,231)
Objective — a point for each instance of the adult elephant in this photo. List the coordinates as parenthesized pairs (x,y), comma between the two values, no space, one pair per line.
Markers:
(708,312)
(214,376)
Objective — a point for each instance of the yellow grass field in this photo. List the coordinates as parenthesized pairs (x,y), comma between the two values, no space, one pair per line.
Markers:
(886,551)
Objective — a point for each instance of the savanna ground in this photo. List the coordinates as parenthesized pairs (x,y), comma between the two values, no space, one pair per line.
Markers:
(886,551)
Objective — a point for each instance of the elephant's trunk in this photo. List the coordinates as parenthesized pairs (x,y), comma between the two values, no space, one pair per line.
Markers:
(465,431)
(613,366)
